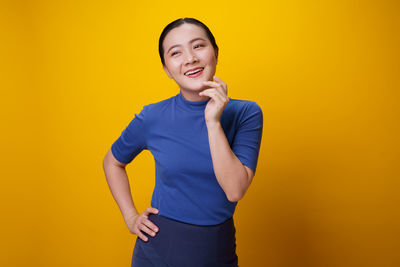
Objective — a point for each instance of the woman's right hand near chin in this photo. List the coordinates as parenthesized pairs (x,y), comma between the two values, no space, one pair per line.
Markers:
(140,222)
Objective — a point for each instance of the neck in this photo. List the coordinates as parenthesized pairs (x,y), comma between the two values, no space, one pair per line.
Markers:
(193,95)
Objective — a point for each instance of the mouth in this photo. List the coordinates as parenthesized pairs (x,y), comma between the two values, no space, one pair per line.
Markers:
(194,73)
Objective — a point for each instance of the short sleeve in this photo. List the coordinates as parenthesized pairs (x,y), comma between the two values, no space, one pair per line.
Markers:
(132,139)
(247,140)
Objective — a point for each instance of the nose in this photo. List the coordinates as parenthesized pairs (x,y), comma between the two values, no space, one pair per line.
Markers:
(191,58)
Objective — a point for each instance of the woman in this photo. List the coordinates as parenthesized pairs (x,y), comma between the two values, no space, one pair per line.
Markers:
(205,147)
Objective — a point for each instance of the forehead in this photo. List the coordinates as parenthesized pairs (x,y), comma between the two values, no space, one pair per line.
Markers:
(183,34)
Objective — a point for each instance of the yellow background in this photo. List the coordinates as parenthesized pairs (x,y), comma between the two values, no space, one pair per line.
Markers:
(325,73)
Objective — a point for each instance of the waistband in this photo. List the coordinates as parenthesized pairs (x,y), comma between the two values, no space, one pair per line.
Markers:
(164,218)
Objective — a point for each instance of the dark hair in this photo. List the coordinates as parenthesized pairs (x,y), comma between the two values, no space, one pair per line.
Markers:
(177,23)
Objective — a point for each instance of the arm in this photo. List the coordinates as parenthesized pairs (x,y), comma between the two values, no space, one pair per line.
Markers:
(117,180)
(118,183)
(233,177)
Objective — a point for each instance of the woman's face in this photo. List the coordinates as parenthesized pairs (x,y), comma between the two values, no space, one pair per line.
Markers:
(187,48)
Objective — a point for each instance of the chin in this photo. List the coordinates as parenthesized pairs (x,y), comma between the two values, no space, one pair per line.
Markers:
(194,85)
(197,83)
(195,88)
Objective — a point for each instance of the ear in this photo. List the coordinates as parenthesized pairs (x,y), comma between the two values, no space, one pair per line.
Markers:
(167,72)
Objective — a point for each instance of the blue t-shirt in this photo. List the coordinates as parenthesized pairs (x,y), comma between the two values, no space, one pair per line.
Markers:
(175,132)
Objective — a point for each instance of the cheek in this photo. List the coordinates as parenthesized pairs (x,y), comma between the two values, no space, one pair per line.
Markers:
(173,66)
(212,61)
(210,56)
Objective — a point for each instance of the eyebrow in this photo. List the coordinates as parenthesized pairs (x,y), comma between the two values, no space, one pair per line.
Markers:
(191,41)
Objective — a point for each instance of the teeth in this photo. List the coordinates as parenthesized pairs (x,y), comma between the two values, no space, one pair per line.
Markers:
(194,71)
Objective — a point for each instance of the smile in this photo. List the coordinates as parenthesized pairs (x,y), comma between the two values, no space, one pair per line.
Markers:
(194,73)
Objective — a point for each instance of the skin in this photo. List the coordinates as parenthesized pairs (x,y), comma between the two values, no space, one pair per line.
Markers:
(181,54)
(233,177)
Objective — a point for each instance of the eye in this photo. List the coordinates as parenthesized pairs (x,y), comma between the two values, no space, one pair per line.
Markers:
(198,45)
(174,53)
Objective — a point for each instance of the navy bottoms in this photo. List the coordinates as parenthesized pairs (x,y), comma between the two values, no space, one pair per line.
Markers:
(179,244)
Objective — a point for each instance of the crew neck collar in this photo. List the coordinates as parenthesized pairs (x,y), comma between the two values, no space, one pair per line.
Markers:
(191,105)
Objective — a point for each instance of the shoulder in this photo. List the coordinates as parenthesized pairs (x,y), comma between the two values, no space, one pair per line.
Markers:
(154,109)
(243,108)
(158,105)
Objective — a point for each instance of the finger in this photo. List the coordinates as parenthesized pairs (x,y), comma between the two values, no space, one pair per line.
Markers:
(151,225)
(209,92)
(212,84)
(223,84)
(223,100)
(219,86)
(220,81)
(137,231)
(142,236)
(219,100)
(214,94)
(145,229)
(151,210)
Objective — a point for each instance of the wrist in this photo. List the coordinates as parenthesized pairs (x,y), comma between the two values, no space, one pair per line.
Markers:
(213,125)
(130,215)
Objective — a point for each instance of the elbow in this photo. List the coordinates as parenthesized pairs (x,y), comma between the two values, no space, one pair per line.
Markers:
(235,196)
(238,191)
